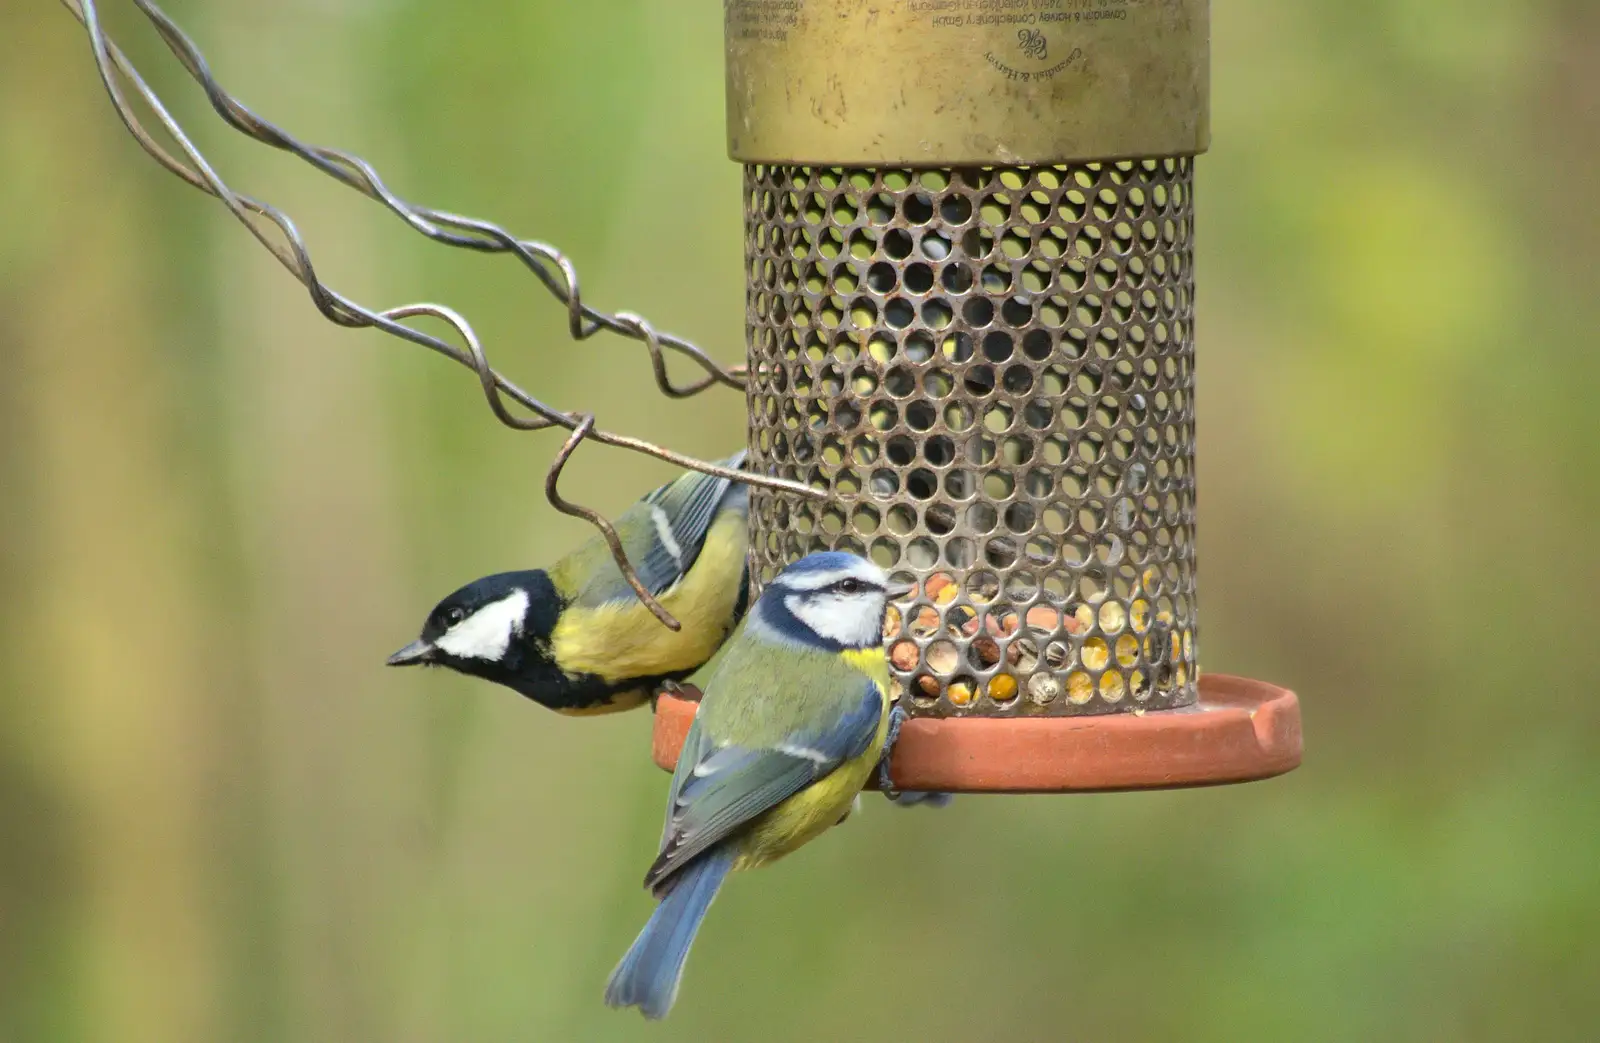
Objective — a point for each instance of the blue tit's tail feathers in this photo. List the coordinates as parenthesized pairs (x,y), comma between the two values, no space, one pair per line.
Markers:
(648,975)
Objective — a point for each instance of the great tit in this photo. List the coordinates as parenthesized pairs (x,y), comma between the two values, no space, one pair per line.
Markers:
(793,719)
(575,637)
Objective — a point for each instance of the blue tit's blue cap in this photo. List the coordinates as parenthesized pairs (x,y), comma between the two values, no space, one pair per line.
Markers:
(818,570)
(822,561)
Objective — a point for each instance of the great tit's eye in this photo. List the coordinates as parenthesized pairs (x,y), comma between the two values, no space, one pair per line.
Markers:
(454,616)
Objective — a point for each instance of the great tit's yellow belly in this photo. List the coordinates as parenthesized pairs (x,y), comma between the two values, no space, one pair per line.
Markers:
(808,813)
(623,640)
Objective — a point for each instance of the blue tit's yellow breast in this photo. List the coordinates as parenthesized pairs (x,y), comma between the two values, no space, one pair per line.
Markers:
(872,662)
(823,803)
(623,640)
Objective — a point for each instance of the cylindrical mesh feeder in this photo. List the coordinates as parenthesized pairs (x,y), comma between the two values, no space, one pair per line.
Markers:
(970,319)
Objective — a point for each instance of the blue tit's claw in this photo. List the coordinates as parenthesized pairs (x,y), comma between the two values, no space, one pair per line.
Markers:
(932,800)
(897,718)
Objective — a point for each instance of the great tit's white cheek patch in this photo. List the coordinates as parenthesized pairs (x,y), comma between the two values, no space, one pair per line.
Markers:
(487,633)
(664,534)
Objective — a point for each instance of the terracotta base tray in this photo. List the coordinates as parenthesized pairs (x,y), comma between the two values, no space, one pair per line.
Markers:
(1240,730)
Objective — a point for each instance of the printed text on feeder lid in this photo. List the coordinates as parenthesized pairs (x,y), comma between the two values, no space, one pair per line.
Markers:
(951,82)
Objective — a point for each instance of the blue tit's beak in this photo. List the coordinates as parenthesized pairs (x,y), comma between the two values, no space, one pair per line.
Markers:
(418,651)
(901,591)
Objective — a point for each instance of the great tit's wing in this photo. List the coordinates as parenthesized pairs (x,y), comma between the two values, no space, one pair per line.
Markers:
(681,513)
(723,787)
(742,606)
(667,529)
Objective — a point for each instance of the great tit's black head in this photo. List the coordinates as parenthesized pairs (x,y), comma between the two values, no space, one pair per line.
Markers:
(489,626)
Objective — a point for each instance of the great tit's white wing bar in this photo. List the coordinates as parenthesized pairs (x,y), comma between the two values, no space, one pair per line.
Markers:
(681,513)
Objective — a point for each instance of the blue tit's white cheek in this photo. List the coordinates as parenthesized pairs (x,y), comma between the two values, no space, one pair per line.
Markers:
(487,633)
(855,620)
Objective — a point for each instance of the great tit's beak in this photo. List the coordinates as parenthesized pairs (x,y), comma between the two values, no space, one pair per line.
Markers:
(418,651)
(901,591)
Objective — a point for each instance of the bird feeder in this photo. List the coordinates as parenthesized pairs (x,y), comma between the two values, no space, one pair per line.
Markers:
(969,264)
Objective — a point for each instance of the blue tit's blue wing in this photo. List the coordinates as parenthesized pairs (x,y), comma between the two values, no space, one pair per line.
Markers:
(679,514)
(695,748)
(717,789)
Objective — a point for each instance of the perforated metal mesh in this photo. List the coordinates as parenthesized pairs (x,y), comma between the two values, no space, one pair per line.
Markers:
(991,370)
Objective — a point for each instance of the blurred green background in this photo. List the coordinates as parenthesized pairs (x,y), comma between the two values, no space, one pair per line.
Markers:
(224,820)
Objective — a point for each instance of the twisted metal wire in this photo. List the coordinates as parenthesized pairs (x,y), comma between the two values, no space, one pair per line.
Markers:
(553,269)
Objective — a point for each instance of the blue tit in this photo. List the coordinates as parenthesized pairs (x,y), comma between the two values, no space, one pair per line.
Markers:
(575,637)
(793,720)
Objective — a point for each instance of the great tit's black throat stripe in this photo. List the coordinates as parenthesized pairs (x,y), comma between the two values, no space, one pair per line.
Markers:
(567,694)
